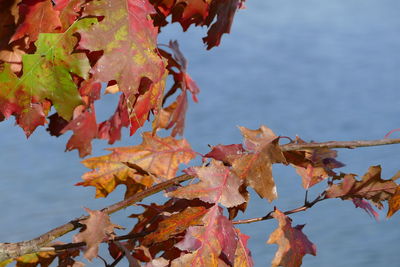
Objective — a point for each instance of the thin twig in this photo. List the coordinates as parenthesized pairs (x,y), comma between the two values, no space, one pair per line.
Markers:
(305,207)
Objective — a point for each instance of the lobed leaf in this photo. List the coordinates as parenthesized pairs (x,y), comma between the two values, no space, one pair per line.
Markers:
(217,185)
(155,159)
(293,245)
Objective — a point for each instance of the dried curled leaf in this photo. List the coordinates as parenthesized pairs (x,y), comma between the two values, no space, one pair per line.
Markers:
(371,187)
(293,244)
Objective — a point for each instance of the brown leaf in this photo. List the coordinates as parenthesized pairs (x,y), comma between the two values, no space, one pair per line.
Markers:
(226,153)
(98,229)
(293,244)
(217,185)
(256,168)
(394,203)
(371,187)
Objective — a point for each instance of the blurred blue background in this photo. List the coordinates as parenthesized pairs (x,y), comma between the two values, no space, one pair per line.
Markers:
(323,70)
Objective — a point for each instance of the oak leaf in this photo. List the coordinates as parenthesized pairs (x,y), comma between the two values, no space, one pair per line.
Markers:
(36,16)
(128,38)
(157,157)
(255,168)
(218,184)
(98,229)
(371,187)
(84,127)
(211,244)
(293,244)
(394,203)
(242,255)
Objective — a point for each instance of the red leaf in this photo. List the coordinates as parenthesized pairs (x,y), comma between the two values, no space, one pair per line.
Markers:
(293,244)
(111,128)
(226,153)
(128,38)
(36,16)
(217,185)
(30,119)
(84,127)
(242,254)
(209,244)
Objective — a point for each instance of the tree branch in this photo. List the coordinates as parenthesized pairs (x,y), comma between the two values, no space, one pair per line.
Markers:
(13,250)
(340,144)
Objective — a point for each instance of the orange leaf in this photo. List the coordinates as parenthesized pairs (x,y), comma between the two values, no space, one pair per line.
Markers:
(156,158)
(394,203)
(293,244)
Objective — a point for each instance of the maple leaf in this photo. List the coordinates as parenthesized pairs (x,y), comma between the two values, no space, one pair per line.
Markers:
(371,187)
(128,38)
(209,244)
(98,228)
(293,244)
(84,127)
(256,168)
(36,16)
(158,157)
(217,185)
(313,165)
(394,203)
(242,255)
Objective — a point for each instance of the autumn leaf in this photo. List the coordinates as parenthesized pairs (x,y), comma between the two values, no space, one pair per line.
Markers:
(69,11)
(128,38)
(313,165)
(217,185)
(371,187)
(209,244)
(293,244)
(394,203)
(256,168)
(36,16)
(174,115)
(215,14)
(361,203)
(242,255)
(226,153)
(158,157)
(175,224)
(34,259)
(98,228)
(84,127)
